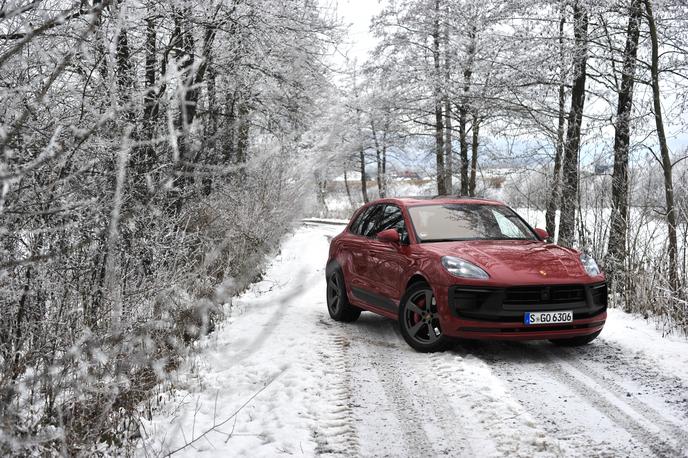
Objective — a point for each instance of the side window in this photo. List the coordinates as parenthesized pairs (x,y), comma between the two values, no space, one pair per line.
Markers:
(391,218)
(370,222)
(356,226)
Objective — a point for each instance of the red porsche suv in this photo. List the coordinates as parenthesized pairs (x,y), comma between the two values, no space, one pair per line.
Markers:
(462,267)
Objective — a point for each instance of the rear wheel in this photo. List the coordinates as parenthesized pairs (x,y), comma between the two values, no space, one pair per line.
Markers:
(576,341)
(419,320)
(337,301)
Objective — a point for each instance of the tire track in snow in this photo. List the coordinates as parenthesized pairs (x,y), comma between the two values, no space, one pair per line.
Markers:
(482,410)
(387,368)
(401,411)
(335,433)
(553,402)
(631,412)
(269,327)
(477,439)
(669,424)
(471,439)
(281,308)
(636,374)
(612,407)
(496,424)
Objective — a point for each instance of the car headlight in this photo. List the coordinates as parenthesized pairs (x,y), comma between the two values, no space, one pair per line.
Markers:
(590,265)
(461,268)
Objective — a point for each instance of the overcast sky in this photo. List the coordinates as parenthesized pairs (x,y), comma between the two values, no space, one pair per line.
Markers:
(357,14)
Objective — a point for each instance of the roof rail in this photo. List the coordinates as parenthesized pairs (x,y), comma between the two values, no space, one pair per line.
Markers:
(442,196)
(457,196)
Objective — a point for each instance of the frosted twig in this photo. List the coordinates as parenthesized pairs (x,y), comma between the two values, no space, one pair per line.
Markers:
(217,425)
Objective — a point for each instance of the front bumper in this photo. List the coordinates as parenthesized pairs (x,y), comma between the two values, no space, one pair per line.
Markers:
(497,313)
(518,331)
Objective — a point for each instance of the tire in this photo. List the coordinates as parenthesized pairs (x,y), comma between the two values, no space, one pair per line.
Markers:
(419,324)
(576,341)
(337,301)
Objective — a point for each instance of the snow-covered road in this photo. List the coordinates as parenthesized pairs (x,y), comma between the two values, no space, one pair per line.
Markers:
(280,377)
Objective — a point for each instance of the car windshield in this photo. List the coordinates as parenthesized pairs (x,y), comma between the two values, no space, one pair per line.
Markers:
(450,222)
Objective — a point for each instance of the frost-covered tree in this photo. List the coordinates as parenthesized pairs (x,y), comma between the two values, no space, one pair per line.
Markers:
(149,159)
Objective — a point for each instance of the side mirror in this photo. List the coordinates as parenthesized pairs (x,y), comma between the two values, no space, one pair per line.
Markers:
(543,234)
(389,235)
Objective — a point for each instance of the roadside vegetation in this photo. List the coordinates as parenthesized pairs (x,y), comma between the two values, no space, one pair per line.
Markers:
(150,157)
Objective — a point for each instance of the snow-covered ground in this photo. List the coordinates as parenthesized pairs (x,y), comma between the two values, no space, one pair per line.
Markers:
(281,378)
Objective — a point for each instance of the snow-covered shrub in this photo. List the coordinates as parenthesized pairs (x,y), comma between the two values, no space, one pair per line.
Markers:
(139,190)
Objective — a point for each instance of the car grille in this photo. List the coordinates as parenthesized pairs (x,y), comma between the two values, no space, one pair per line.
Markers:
(556,294)
(508,304)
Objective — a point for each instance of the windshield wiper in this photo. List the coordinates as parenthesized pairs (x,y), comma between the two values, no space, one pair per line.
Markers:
(444,240)
(473,238)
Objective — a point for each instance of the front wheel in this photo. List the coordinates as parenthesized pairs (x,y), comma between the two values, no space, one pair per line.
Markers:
(576,341)
(419,320)
(337,301)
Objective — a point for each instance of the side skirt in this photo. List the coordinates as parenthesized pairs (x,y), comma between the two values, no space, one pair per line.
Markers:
(386,306)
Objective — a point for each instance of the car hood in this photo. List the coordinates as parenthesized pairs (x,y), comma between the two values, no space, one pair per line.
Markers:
(518,261)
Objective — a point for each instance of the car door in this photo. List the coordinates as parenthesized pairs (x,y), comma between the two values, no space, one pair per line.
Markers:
(388,261)
(358,248)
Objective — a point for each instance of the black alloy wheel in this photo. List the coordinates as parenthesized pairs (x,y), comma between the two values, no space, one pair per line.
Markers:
(419,319)
(337,301)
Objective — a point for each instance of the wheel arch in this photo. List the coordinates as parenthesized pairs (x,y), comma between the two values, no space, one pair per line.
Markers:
(416,278)
(331,267)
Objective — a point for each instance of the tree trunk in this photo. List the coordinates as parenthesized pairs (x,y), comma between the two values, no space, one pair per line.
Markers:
(616,252)
(211,127)
(364,186)
(124,76)
(463,149)
(230,152)
(573,132)
(384,161)
(149,99)
(448,160)
(143,156)
(242,128)
(378,160)
(667,166)
(380,185)
(184,45)
(555,196)
(348,190)
(191,78)
(475,129)
(448,185)
(464,109)
(189,97)
(439,128)
(99,41)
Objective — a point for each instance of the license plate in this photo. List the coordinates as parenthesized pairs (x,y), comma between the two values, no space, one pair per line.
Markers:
(548,317)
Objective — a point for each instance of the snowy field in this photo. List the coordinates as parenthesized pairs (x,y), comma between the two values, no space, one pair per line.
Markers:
(281,378)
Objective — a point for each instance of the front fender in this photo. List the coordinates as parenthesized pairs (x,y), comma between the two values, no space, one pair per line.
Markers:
(331,266)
